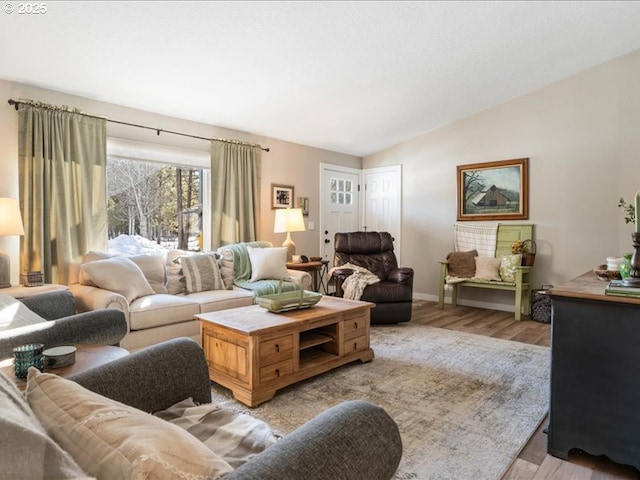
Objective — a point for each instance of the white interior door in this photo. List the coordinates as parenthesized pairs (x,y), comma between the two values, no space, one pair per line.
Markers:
(339,204)
(382,202)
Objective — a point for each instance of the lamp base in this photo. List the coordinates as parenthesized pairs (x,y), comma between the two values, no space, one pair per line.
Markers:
(291,247)
(5,270)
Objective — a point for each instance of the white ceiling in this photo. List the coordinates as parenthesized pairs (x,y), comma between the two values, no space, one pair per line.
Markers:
(353,77)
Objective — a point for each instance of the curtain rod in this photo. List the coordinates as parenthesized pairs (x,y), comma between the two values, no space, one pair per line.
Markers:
(16,103)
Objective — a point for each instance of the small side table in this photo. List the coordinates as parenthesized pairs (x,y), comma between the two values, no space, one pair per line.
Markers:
(20,291)
(87,356)
(316,269)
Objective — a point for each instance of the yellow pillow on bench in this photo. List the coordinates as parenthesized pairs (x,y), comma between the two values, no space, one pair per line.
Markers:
(508,266)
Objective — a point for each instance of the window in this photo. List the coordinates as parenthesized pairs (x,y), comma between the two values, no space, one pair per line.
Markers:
(154,203)
(341,191)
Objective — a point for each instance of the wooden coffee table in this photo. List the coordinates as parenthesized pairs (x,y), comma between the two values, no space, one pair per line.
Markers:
(87,356)
(254,352)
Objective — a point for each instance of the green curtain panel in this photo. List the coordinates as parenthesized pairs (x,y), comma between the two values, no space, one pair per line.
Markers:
(235,192)
(63,187)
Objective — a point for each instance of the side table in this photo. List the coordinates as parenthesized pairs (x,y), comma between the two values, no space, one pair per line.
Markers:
(20,291)
(87,356)
(316,269)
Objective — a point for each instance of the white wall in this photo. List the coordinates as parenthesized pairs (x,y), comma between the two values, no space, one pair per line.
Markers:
(286,163)
(582,136)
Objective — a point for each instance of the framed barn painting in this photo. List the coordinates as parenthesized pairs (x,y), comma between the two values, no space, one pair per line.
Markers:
(281,196)
(494,190)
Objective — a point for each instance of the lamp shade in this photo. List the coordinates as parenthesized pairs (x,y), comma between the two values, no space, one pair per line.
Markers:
(10,218)
(289,220)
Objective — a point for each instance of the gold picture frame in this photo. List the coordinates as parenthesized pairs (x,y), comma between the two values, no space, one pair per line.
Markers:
(494,190)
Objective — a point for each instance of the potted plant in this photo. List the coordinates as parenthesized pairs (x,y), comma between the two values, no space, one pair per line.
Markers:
(526,248)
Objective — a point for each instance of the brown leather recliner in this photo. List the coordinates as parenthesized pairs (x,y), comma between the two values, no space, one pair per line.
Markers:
(374,251)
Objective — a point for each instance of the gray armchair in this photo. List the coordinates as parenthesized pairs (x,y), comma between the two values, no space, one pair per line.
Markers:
(64,327)
(353,440)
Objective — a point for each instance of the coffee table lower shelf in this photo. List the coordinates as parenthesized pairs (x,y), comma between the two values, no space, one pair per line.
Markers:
(254,353)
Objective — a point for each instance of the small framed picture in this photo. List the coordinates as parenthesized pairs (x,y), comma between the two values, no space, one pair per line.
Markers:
(281,196)
(303,203)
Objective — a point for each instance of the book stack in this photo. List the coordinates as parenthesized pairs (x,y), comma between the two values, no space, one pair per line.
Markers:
(616,287)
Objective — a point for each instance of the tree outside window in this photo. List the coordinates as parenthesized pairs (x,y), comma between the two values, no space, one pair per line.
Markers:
(160,203)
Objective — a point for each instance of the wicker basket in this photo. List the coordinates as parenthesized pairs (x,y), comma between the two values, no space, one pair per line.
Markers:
(286,301)
(529,254)
(32,279)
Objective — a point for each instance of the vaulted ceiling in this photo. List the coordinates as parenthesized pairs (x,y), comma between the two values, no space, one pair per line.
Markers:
(352,77)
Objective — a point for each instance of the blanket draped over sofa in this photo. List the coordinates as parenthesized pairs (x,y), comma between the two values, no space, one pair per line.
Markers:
(242,271)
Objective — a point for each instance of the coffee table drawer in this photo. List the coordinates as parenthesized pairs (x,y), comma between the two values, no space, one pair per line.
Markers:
(270,373)
(355,344)
(276,349)
(355,327)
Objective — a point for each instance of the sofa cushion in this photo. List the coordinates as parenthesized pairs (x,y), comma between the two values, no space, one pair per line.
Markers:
(26,450)
(267,263)
(487,268)
(237,437)
(152,266)
(111,440)
(14,314)
(508,266)
(216,300)
(201,272)
(120,275)
(156,310)
(462,264)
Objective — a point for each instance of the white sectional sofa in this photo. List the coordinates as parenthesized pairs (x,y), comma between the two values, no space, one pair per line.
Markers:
(158,302)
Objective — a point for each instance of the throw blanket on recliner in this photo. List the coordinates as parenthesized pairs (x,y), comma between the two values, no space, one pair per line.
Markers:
(354,285)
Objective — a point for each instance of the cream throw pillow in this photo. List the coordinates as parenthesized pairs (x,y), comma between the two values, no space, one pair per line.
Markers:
(152,266)
(267,263)
(488,268)
(201,272)
(508,266)
(111,440)
(120,275)
(92,256)
(26,451)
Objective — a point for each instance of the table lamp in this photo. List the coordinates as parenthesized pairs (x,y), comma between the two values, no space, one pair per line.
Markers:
(289,220)
(10,224)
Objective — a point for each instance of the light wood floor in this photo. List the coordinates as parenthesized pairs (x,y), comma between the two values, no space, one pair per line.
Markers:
(533,463)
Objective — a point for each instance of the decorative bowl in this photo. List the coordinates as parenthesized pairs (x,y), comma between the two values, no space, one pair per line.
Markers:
(605,275)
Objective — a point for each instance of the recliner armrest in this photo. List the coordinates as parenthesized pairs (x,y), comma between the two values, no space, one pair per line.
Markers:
(401,275)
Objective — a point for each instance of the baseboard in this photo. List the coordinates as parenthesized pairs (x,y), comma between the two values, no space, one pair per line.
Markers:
(467,303)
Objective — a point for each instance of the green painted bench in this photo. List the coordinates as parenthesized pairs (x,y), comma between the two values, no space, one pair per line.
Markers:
(507,235)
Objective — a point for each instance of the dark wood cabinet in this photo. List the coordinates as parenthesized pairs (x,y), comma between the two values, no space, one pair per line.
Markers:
(595,372)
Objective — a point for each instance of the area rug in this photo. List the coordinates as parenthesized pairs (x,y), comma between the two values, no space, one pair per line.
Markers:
(465,404)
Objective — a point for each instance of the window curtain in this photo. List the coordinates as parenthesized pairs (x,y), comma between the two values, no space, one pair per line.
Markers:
(63,187)
(235,192)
